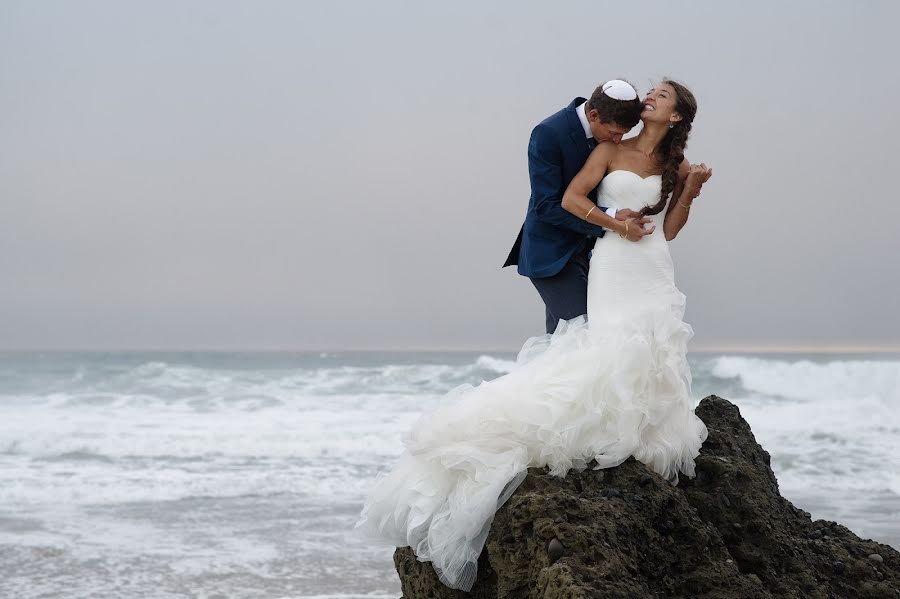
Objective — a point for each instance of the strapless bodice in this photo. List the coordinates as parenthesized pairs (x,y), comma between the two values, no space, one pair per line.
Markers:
(627,189)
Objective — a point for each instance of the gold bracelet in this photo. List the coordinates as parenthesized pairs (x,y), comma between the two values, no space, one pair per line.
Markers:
(683,205)
(589,212)
(625,235)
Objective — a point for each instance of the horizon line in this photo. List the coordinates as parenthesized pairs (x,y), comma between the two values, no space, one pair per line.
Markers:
(706,348)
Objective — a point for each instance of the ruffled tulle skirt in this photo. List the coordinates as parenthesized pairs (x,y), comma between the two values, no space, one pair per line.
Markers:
(582,394)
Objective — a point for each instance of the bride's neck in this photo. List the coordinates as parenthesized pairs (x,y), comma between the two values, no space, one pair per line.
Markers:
(651,135)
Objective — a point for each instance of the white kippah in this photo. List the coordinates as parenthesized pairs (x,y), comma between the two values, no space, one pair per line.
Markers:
(619,90)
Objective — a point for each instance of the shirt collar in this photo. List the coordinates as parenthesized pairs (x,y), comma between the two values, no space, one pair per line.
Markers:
(584,121)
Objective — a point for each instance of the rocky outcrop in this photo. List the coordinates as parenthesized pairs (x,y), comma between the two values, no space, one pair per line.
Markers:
(626,533)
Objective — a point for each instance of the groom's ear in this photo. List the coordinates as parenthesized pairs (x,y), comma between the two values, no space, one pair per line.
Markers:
(593,115)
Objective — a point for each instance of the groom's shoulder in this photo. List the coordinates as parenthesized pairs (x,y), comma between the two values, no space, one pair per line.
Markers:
(559,122)
(560,118)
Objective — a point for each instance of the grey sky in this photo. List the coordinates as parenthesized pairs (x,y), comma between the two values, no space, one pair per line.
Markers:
(214,174)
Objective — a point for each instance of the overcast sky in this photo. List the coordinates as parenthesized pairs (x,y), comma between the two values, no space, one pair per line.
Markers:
(322,175)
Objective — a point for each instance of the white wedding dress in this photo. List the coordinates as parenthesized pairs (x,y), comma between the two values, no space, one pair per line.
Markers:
(606,388)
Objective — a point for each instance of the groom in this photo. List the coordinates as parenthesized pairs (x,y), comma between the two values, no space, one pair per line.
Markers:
(553,247)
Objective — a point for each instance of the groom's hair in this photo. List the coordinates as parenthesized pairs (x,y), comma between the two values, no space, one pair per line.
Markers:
(625,113)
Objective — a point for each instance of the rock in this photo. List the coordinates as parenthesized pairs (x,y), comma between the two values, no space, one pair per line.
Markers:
(677,541)
(555,550)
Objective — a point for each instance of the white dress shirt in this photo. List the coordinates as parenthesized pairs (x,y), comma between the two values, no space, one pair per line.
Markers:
(589,135)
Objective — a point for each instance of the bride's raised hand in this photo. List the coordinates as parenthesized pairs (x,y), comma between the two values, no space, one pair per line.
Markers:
(697,176)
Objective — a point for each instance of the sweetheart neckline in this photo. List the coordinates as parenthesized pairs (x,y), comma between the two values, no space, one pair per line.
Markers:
(620,170)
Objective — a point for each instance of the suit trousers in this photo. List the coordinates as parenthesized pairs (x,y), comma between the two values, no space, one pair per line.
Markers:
(565,293)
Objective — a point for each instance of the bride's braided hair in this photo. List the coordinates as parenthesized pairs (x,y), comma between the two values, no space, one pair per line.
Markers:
(670,152)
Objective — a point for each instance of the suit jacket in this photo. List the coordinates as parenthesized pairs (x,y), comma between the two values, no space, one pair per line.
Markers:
(550,236)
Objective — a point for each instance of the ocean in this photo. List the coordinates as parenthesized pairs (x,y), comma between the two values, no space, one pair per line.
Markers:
(241,474)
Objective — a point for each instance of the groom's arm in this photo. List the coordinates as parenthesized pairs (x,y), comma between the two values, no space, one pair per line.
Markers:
(575,199)
(545,172)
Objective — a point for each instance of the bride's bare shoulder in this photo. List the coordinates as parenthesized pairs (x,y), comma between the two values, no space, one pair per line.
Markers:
(609,149)
(604,153)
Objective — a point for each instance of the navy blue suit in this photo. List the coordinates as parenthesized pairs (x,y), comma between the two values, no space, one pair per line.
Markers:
(553,245)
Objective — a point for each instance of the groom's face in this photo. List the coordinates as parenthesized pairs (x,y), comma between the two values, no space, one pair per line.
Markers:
(606,131)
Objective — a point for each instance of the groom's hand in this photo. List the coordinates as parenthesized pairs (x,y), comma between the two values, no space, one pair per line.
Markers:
(636,230)
(632,217)
(625,214)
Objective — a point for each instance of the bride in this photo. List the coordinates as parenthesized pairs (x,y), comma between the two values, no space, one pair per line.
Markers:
(603,389)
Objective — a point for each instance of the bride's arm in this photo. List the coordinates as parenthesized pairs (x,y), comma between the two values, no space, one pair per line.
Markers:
(687,187)
(679,204)
(575,198)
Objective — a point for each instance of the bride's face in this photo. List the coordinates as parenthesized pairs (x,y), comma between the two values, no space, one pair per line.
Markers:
(659,105)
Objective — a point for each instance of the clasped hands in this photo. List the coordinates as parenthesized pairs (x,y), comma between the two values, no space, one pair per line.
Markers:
(634,224)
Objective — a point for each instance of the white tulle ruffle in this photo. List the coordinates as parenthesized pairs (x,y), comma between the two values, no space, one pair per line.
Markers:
(603,393)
